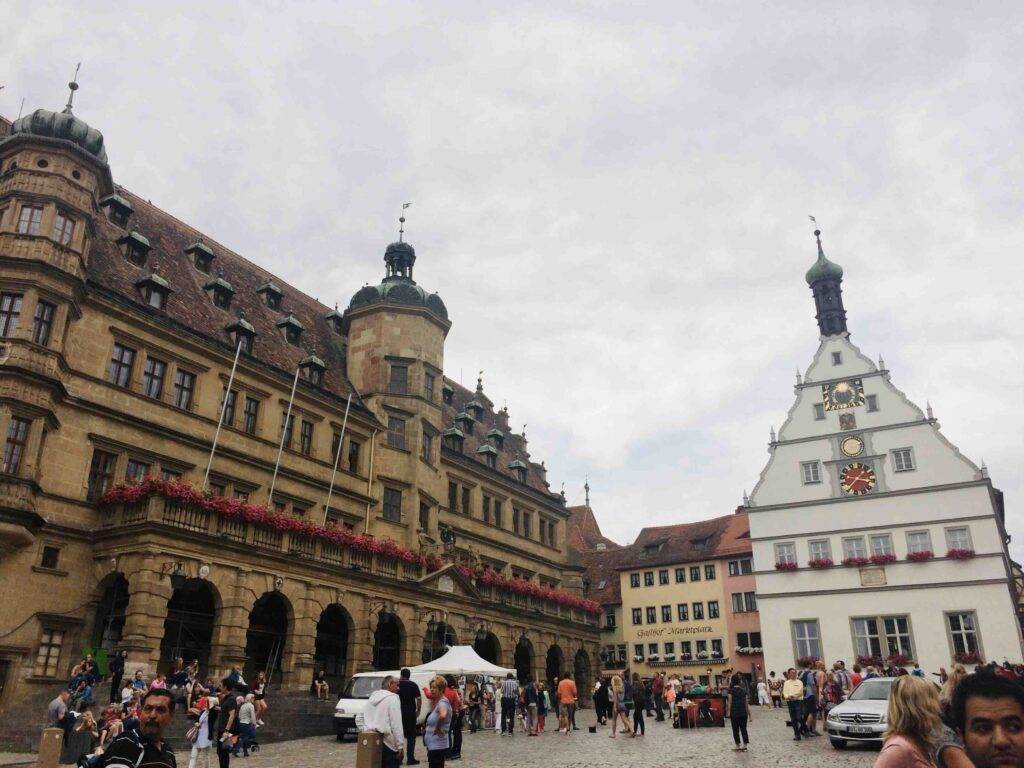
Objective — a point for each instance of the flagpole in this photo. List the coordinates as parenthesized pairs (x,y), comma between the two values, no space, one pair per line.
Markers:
(223,408)
(284,431)
(337,457)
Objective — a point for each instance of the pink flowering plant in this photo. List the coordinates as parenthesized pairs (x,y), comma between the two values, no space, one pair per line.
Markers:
(821,562)
(883,559)
(785,566)
(920,557)
(855,562)
(960,554)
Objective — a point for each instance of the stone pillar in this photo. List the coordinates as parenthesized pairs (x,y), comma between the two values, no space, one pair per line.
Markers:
(415,631)
(303,640)
(148,592)
(227,646)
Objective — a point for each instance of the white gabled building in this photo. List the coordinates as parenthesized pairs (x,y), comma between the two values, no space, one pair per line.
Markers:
(862,477)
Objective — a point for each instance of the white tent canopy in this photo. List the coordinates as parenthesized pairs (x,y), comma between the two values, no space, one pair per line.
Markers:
(462,660)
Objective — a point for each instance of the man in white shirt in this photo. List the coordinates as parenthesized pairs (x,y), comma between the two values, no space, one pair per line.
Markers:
(383,714)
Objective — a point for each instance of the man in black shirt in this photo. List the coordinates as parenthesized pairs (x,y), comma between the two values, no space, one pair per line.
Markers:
(409,695)
(148,749)
(226,721)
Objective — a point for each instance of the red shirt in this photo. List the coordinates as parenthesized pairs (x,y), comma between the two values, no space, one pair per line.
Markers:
(855,679)
(566,691)
(454,699)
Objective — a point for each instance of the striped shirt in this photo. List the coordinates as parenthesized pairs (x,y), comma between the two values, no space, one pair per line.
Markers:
(510,689)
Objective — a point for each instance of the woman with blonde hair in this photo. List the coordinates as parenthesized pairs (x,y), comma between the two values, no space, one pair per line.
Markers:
(956,674)
(914,724)
(619,707)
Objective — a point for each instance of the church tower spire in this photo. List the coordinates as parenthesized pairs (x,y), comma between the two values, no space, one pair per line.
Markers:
(826,281)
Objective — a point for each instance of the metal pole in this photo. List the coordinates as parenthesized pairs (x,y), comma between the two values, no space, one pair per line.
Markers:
(223,408)
(337,457)
(284,431)
(369,482)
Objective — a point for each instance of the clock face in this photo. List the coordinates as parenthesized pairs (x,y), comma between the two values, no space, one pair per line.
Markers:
(842,394)
(852,446)
(857,479)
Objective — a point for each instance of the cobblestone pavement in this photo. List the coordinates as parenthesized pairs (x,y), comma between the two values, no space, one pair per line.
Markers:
(771,745)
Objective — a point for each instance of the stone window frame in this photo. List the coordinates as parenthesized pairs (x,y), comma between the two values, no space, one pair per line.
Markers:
(57,569)
(912,548)
(903,459)
(637,616)
(796,641)
(810,472)
(950,632)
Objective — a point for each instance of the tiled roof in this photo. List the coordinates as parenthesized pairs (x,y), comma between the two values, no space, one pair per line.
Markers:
(721,536)
(602,573)
(582,531)
(5,126)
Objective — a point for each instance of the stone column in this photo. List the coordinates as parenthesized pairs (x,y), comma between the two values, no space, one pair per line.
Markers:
(227,646)
(148,593)
(415,631)
(303,645)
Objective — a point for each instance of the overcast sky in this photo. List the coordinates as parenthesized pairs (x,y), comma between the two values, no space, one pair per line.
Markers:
(612,199)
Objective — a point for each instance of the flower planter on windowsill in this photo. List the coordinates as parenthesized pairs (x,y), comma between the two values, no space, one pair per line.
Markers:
(785,566)
(960,554)
(920,557)
(855,562)
(968,657)
(807,661)
(869,661)
(820,563)
(899,660)
(882,559)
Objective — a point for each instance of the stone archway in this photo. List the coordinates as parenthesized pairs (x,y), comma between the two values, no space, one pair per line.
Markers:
(387,643)
(110,613)
(554,664)
(523,659)
(331,648)
(437,640)
(267,634)
(488,648)
(188,628)
(581,671)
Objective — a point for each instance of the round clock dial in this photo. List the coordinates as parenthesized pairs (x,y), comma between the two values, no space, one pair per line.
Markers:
(843,394)
(852,446)
(857,479)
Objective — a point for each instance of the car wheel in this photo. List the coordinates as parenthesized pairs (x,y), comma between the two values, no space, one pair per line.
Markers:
(838,743)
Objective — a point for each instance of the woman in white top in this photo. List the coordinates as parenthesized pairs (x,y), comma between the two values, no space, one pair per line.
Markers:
(201,746)
(762,694)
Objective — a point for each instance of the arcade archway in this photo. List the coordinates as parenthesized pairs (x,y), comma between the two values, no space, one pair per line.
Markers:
(267,635)
(487,647)
(330,651)
(387,643)
(110,613)
(188,628)
(438,637)
(523,659)
(554,664)
(581,670)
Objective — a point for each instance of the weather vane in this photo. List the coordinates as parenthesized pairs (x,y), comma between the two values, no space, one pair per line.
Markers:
(73,85)
(401,221)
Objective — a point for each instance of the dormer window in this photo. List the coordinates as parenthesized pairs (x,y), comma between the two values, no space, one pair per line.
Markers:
(453,439)
(700,545)
(465,422)
(447,394)
(242,334)
(518,468)
(292,329)
(154,290)
(489,454)
(335,319)
(475,409)
(496,438)
(314,368)
(271,294)
(221,291)
(118,209)
(136,248)
(202,256)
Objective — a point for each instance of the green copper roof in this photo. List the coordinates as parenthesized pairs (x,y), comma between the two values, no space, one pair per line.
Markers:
(495,432)
(118,202)
(487,448)
(823,269)
(517,463)
(453,432)
(292,321)
(313,362)
(154,279)
(63,126)
(200,246)
(137,238)
(270,287)
(219,282)
(241,324)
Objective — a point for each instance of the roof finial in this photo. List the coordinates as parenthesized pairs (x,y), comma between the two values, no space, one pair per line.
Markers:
(586,489)
(928,409)
(984,469)
(881,363)
(480,383)
(799,378)
(746,499)
(401,222)
(817,231)
(773,434)
(73,85)
(524,431)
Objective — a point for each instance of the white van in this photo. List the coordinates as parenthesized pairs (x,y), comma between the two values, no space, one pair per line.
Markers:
(348,712)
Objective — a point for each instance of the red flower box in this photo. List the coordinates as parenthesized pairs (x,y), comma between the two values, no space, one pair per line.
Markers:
(898,660)
(869,661)
(786,566)
(920,557)
(960,554)
(855,562)
(821,562)
(883,559)
(807,661)
(968,657)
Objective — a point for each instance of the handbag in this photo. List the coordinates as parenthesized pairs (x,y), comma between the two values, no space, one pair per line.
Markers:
(192,734)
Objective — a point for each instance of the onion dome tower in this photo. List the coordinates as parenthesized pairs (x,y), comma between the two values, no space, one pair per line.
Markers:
(826,281)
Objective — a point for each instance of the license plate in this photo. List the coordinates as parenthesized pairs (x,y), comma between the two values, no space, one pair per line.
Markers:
(859,729)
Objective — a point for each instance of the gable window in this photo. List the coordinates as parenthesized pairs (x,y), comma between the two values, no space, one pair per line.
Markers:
(305,437)
(807,638)
(698,611)
(28,222)
(680,575)
(287,429)
(958,538)
(872,403)
(881,544)
(709,572)
(713,609)
(853,547)
(396,432)
(51,641)
(683,612)
(919,541)
(634,580)
(398,381)
(811,471)
(42,323)
(202,256)
(652,615)
(426,446)
(101,473)
(228,404)
(638,617)
(648,578)
(663,577)
(819,412)
(153,378)
(250,413)
(447,394)
(353,456)
(316,377)
(428,386)
(785,552)
(136,470)
(699,545)
(14,448)
(184,388)
(837,358)
(120,371)
(694,573)
(272,295)
(393,505)
(10,311)
(903,460)
(666,614)
(136,248)
(244,341)
(63,228)
(222,298)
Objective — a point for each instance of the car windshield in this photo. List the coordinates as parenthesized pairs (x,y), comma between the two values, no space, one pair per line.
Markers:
(872,690)
(362,687)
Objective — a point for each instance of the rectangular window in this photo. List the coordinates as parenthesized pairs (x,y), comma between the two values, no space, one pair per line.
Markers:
(897,635)
(48,655)
(694,573)
(184,389)
(820,549)
(638,616)
(872,403)
(737,602)
(393,505)
(14,449)
(819,412)
(227,402)
(709,572)
(686,648)
(702,646)
(306,437)
(453,497)
(101,473)
(42,323)
(670,649)
(396,432)
(903,460)
(515,520)
(426,446)
(28,222)
(527,525)
(663,577)
(750,601)
(173,474)
(497,513)
(468,510)
(734,567)
(807,638)
(919,541)
(153,378)
(50,558)
(963,631)
(398,384)
(287,427)
(785,552)
(652,649)
(713,609)
(881,544)
(683,612)
(487,509)
(666,613)
(250,414)
(958,538)
(634,580)
(680,575)
(120,371)
(866,641)
(243,496)
(353,456)
(652,614)
(854,547)
(428,386)
(811,472)
(63,228)
(609,620)
(648,578)
(837,358)
(698,611)
(638,650)
(424,516)
(136,470)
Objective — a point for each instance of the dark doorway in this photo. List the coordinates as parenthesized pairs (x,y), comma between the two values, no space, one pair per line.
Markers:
(331,650)
(387,641)
(188,628)
(581,671)
(436,640)
(110,613)
(487,647)
(554,665)
(524,660)
(265,640)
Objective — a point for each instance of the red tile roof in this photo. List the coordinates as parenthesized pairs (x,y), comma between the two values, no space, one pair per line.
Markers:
(690,542)
(582,531)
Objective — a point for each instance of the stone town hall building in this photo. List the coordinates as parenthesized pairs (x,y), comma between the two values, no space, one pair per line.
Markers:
(119,327)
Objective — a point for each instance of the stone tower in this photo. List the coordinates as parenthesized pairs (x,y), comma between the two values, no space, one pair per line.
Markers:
(826,281)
